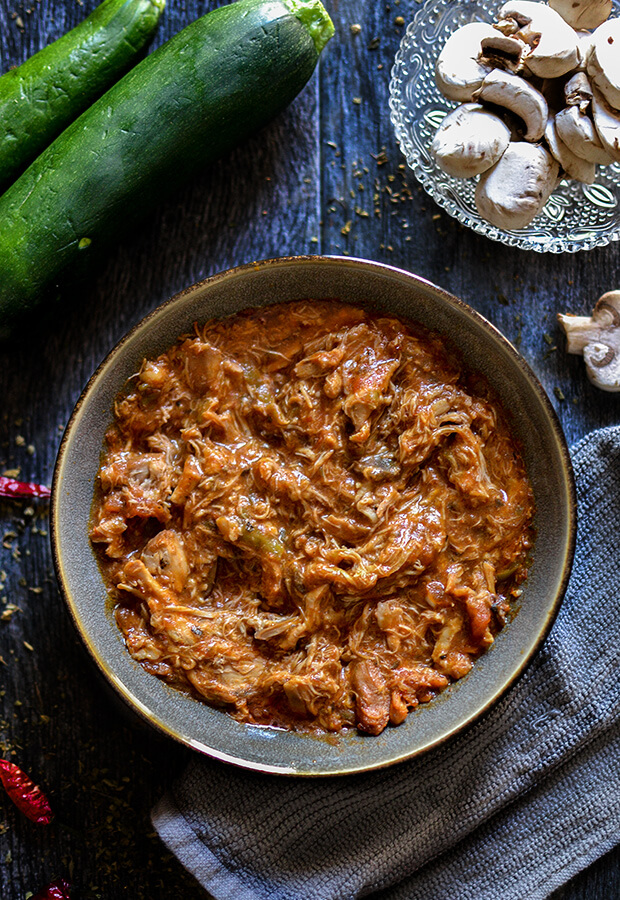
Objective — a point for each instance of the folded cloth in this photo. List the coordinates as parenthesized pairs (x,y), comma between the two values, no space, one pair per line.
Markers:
(511,808)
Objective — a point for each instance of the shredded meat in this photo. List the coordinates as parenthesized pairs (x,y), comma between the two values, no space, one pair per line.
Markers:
(312,516)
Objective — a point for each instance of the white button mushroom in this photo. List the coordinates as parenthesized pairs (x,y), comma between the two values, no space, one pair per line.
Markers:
(584,47)
(514,191)
(607,124)
(457,70)
(469,141)
(520,97)
(578,91)
(604,61)
(552,45)
(582,14)
(502,52)
(574,166)
(577,131)
(597,337)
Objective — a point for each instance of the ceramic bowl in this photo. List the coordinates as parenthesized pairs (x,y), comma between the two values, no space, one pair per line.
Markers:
(212,731)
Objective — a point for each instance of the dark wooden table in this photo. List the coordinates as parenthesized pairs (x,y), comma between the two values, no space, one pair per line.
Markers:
(326,177)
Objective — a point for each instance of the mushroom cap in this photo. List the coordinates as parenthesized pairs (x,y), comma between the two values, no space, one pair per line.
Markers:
(607,124)
(515,189)
(582,14)
(458,74)
(553,46)
(469,141)
(603,62)
(520,97)
(602,366)
(574,166)
(577,131)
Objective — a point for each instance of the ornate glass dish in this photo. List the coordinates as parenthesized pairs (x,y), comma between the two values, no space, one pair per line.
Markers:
(576,216)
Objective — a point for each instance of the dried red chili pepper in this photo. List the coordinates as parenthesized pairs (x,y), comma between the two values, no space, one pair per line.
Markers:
(11,488)
(25,794)
(57,890)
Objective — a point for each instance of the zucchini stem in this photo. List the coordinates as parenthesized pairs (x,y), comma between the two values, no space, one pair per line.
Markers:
(315,17)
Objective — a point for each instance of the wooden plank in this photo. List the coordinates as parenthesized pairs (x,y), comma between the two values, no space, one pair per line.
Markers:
(267,198)
(103,773)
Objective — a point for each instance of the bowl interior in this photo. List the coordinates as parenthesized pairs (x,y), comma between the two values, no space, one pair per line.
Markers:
(483,349)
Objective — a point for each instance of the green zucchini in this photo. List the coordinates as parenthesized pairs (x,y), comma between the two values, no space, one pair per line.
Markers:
(187,103)
(42,96)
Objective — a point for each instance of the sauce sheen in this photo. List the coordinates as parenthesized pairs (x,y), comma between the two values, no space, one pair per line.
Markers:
(311,515)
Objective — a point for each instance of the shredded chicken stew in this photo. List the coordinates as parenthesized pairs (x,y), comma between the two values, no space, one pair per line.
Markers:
(311,516)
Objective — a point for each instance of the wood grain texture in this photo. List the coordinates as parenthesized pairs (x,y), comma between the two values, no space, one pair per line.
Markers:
(326,176)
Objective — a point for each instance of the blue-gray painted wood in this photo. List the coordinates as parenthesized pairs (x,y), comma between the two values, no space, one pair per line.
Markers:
(327,177)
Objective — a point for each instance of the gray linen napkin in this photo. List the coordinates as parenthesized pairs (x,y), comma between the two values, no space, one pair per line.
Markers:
(511,808)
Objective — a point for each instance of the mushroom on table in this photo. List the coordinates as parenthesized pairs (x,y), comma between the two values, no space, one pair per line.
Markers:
(597,339)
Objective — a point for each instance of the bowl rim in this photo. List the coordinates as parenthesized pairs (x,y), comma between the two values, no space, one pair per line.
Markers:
(126,694)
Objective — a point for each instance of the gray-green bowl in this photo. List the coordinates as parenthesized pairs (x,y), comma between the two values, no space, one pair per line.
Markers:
(532,419)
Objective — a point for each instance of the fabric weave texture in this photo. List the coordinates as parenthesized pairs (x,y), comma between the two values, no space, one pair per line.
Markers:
(513,807)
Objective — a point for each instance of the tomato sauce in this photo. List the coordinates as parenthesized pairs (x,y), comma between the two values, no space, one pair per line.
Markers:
(311,515)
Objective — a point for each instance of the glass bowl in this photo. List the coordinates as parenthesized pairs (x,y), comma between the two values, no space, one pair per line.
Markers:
(576,216)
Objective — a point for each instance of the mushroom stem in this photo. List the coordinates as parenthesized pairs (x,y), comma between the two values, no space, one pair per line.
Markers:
(579,332)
